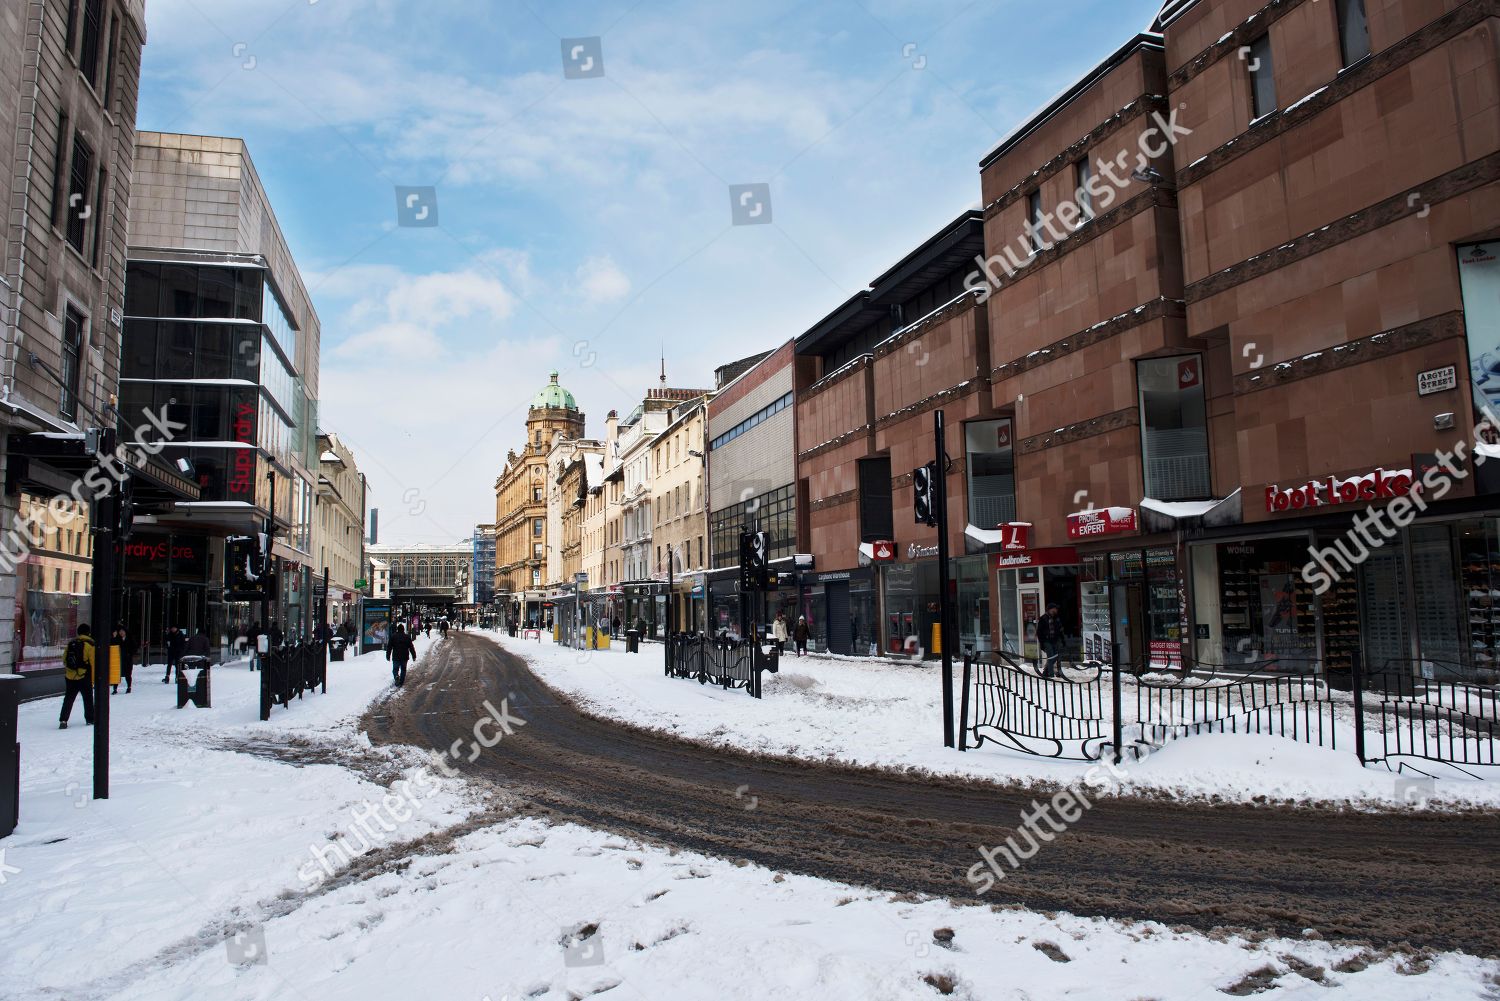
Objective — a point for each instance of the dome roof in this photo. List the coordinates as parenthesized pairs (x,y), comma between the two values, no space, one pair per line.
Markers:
(553,395)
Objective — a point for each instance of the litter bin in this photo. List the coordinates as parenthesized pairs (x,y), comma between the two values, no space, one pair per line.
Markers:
(632,641)
(10,754)
(336,648)
(198,692)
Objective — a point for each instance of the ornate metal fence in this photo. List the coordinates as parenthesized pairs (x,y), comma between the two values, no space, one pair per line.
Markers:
(1426,711)
(1058,717)
(1079,714)
(291,671)
(726,663)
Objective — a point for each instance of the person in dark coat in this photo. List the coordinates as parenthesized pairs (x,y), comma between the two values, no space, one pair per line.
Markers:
(799,635)
(121,637)
(1050,636)
(198,646)
(277,636)
(400,649)
(176,647)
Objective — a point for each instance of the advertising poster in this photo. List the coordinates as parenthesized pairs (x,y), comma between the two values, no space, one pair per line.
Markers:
(1094,612)
(374,625)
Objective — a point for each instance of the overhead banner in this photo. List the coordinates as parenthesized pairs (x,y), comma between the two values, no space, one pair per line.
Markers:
(1479,278)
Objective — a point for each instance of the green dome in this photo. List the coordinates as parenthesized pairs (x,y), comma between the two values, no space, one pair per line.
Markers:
(553,395)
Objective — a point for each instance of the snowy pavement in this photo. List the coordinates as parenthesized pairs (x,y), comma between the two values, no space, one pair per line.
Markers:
(888,714)
(190,883)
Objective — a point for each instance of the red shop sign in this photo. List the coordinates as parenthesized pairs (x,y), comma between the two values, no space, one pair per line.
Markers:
(1015,535)
(1104,521)
(883,551)
(1382,484)
(1054,556)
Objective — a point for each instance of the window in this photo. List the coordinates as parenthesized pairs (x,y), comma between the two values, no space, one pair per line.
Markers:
(72,25)
(72,348)
(1083,173)
(876,520)
(1262,78)
(536,528)
(98,218)
(57,580)
(1034,219)
(93,29)
(536,494)
(79,208)
(1354,30)
(1174,428)
(991,473)
(58,177)
(112,40)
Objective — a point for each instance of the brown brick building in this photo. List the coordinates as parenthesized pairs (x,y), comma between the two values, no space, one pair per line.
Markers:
(1238,285)
(1274,297)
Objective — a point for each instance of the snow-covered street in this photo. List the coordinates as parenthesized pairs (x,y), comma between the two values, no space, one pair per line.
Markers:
(186,885)
(887,713)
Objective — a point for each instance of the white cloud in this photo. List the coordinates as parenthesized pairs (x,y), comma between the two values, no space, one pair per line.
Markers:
(599,280)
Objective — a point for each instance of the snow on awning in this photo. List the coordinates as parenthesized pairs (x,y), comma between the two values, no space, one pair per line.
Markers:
(1167,516)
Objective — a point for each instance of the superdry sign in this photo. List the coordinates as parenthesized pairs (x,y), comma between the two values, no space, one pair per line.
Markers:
(1382,484)
(1101,521)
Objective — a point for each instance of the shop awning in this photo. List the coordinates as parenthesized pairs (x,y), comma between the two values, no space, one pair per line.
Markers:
(1169,516)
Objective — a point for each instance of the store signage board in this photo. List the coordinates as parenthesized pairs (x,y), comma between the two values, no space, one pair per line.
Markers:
(1015,536)
(883,551)
(1101,521)
(1378,485)
(1055,556)
(1437,380)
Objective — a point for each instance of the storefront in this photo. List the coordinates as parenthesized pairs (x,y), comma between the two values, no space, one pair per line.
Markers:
(841,609)
(786,596)
(911,603)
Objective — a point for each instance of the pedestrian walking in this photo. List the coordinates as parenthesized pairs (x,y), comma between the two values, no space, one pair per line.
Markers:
(176,647)
(442,627)
(78,676)
(1050,636)
(778,632)
(800,635)
(400,649)
(121,638)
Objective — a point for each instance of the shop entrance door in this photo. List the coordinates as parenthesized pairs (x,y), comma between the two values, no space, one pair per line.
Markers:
(840,633)
(1031,613)
(1128,614)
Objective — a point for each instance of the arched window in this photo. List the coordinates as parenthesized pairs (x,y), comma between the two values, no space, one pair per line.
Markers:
(424,574)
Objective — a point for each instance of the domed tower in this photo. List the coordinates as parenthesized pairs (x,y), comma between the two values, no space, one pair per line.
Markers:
(553,411)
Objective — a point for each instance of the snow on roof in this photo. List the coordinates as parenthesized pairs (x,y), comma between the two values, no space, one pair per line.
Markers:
(1179,509)
(593,468)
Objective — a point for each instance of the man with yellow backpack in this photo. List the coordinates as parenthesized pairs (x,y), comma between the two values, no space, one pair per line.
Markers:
(78,675)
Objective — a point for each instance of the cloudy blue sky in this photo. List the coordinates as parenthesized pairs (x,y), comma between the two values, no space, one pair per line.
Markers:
(584,224)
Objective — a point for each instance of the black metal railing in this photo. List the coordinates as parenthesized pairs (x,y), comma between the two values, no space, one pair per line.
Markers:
(1056,717)
(1427,710)
(290,671)
(1070,715)
(722,662)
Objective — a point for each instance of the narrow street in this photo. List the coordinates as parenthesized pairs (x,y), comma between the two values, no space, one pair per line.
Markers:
(1427,879)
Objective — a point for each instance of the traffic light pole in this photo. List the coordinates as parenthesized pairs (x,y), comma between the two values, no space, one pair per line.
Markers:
(265,598)
(945,637)
(106,524)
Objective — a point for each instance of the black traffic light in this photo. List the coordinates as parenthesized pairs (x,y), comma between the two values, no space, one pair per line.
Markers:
(924,493)
(125,514)
(754,562)
(242,566)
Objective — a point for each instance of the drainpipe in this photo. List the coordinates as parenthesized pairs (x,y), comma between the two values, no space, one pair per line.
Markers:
(16,293)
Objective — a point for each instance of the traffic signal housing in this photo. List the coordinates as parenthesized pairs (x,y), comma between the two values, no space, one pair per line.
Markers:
(754,561)
(924,494)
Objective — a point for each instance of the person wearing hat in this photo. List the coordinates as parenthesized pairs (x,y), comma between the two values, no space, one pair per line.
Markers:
(1049,634)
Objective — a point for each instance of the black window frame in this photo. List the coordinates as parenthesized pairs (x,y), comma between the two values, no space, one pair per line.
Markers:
(91,41)
(70,355)
(80,177)
(1034,219)
(1342,10)
(1261,69)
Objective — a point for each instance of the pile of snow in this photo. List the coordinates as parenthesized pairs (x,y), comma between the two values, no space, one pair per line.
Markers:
(888,714)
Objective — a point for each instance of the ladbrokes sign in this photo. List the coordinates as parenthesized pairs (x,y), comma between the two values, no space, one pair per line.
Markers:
(1382,484)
